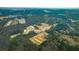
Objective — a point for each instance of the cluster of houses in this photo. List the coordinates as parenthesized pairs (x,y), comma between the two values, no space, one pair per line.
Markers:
(40,31)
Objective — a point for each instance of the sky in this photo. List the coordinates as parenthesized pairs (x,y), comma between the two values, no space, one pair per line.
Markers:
(40,3)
